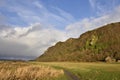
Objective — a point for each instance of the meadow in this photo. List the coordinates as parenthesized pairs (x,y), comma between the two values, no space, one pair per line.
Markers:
(88,71)
(31,70)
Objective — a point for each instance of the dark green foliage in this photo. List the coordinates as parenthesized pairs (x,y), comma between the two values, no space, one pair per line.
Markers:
(93,45)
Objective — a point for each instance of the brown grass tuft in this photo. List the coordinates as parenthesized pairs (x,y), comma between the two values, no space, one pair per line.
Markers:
(22,71)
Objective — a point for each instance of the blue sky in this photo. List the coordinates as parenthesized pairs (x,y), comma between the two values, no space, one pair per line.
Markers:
(53,12)
(77,8)
(31,26)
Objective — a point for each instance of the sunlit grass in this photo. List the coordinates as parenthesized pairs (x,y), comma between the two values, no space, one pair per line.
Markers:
(90,71)
(54,70)
(27,71)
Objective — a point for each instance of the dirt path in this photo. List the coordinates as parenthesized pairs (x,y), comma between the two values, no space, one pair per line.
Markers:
(70,75)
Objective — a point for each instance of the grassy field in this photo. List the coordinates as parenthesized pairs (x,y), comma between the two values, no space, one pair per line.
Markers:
(89,71)
(56,71)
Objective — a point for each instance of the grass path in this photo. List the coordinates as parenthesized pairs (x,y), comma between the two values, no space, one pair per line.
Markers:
(70,75)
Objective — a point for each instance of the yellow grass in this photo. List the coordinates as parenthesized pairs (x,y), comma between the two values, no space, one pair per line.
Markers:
(82,65)
(26,71)
(90,71)
(54,70)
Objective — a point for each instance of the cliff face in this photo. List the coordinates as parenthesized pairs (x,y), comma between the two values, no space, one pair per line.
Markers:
(93,45)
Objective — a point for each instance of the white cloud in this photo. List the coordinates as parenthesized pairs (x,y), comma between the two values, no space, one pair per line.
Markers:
(86,24)
(31,12)
(67,16)
(92,3)
(38,4)
(29,42)
(102,7)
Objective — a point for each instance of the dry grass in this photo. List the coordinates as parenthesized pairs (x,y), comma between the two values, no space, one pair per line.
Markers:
(26,71)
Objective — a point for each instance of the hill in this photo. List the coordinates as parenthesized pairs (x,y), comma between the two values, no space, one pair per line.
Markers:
(94,45)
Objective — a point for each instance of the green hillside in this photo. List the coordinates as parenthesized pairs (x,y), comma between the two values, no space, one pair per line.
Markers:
(93,45)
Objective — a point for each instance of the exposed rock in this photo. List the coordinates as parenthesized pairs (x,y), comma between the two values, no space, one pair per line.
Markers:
(118,61)
(109,59)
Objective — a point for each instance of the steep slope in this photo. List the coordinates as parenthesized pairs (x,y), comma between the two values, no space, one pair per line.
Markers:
(93,45)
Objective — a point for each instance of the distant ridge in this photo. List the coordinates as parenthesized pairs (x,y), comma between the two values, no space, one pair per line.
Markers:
(94,45)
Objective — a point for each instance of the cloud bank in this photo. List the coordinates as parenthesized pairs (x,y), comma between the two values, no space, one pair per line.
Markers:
(27,42)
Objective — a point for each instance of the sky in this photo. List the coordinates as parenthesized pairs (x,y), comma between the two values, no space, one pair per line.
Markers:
(29,27)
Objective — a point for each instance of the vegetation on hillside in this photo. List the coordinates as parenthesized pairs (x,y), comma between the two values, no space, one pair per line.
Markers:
(91,46)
